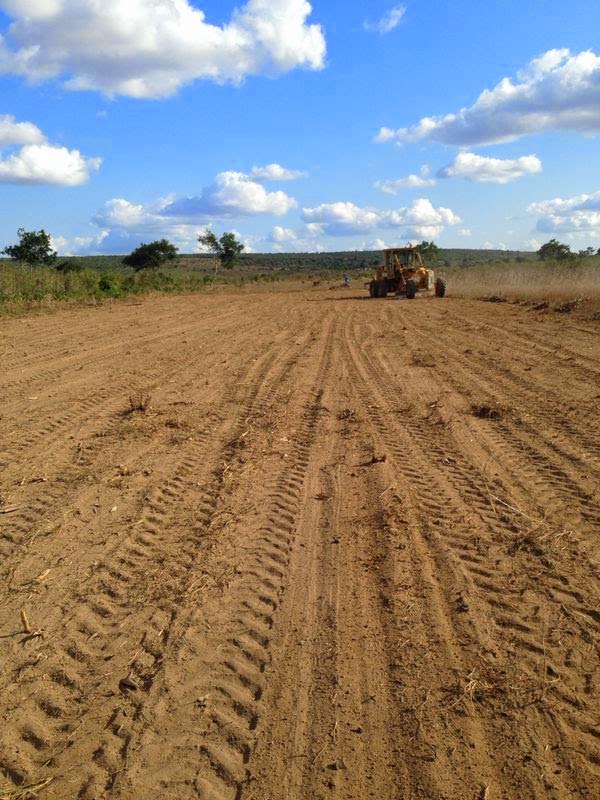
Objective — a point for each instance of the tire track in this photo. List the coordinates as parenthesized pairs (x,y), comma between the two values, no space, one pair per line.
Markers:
(240,629)
(92,632)
(428,460)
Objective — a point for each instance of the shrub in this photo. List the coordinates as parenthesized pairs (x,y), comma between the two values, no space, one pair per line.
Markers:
(108,285)
(151,256)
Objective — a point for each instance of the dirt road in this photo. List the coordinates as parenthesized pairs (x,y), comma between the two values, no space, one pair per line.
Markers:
(350,550)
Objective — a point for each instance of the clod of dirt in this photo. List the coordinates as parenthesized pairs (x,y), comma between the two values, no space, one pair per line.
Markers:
(566,308)
(461,604)
(347,414)
(541,306)
(421,358)
(376,460)
(487,411)
(494,298)
(127,685)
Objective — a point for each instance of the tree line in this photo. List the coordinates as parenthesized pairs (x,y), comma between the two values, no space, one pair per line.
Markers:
(34,248)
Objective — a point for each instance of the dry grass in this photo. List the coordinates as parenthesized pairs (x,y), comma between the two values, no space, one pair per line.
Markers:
(562,287)
(138,402)
(24,792)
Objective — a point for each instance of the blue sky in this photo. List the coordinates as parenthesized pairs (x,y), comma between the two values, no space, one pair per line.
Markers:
(146,119)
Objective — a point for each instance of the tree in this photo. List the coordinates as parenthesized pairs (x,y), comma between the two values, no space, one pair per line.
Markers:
(226,249)
(34,248)
(589,251)
(151,256)
(429,250)
(555,251)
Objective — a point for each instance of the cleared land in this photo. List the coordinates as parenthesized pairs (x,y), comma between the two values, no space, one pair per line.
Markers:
(299,545)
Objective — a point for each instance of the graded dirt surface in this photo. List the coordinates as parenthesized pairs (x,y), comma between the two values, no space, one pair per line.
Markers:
(349,550)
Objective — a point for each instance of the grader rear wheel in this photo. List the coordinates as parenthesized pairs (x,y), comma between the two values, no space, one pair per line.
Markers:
(440,287)
(411,289)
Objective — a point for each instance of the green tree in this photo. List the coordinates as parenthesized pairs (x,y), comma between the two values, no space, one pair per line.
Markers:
(589,251)
(151,256)
(555,251)
(34,248)
(429,250)
(226,249)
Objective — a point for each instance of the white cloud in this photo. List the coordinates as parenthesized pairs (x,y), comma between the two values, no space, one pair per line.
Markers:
(419,181)
(13,132)
(342,218)
(119,213)
(493,246)
(121,224)
(233,194)
(556,91)
(151,48)
(275,172)
(580,213)
(282,235)
(565,207)
(420,220)
(482,169)
(388,23)
(289,240)
(30,159)
(314,229)
(373,244)
(533,245)
(45,164)
(466,232)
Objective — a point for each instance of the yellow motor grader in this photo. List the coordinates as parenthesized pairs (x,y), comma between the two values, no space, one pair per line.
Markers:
(404,273)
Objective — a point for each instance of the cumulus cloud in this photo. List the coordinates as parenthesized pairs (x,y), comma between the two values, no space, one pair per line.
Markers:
(122,224)
(420,220)
(533,245)
(45,164)
(13,132)
(233,194)
(556,91)
(373,244)
(388,22)
(409,182)
(482,169)
(29,158)
(275,172)
(342,218)
(151,48)
(493,246)
(300,240)
(568,215)
(281,235)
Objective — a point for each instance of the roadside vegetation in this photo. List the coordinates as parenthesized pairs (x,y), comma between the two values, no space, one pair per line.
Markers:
(33,274)
(550,282)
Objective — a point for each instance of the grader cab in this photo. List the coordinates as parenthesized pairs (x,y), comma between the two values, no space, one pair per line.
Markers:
(404,273)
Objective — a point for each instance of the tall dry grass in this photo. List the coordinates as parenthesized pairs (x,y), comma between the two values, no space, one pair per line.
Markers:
(553,283)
